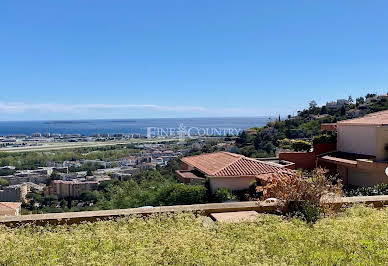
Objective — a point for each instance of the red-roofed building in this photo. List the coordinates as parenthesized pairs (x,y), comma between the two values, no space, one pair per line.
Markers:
(10,208)
(225,170)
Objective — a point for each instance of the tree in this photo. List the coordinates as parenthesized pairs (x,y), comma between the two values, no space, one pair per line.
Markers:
(350,99)
(242,138)
(89,196)
(257,141)
(269,147)
(312,104)
(323,110)
(3,182)
(343,110)
(89,172)
(359,101)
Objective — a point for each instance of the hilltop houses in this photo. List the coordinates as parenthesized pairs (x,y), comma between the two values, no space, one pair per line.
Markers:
(337,104)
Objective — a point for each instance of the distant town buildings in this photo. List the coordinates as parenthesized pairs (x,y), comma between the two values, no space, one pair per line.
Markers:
(15,193)
(74,188)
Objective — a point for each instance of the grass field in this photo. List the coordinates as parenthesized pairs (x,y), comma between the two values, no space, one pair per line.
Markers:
(358,236)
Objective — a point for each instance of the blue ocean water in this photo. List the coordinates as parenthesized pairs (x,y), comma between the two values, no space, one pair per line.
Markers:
(127,126)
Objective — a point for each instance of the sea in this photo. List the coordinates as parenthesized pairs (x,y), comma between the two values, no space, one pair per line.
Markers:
(126,126)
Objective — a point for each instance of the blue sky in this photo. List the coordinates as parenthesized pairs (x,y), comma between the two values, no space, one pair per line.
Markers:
(79,59)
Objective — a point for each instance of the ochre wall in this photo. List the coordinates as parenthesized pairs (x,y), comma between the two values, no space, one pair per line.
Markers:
(231,183)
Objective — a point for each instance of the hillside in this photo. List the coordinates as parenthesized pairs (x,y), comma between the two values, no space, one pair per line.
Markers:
(262,142)
(358,236)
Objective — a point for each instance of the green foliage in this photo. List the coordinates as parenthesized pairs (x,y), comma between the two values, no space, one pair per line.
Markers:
(308,212)
(178,194)
(325,139)
(33,160)
(301,145)
(223,194)
(90,196)
(3,182)
(381,189)
(5,172)
(357,237)
(285,144)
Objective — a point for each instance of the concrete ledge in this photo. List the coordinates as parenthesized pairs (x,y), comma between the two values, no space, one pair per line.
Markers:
(77,217)
(203,209)
(377,201)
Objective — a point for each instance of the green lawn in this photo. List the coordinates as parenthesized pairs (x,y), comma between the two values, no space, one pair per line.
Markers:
(358,236)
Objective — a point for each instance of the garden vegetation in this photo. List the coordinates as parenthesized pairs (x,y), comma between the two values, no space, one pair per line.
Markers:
(359,236)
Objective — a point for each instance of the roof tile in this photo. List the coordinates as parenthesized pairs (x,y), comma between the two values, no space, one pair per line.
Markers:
(229,164)
(373,119)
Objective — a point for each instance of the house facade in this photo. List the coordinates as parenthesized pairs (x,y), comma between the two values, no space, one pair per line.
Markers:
(362,150)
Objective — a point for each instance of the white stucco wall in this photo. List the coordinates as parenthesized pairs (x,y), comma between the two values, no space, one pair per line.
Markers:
(357,139)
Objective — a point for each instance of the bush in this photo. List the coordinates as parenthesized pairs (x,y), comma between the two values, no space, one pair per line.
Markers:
(299,194)
(308,212)
(328,139)
(381,189)
(3,182)
(285,144)
(301,145)
(178,194)
(223,194)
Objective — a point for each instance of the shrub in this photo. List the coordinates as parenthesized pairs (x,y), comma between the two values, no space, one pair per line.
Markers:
(223,194)
(381,189)
(285,144)
(329,139)
(298,192)
(177,194)
(308,212)
(3,182)
(301,145)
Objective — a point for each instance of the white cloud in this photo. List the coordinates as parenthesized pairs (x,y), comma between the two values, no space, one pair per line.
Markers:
(44,110)
(15,108)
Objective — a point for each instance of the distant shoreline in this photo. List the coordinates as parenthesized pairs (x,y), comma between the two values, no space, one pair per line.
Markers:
(124,126)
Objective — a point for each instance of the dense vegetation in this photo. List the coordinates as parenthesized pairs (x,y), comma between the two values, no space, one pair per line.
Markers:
(357,237)
(148,188)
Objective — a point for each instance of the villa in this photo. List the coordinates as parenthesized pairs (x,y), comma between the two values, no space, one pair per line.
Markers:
(361,158)
(226,170)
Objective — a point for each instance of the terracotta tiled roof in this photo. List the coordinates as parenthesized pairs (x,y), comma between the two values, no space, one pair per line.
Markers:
(9,205)
(229,164)
(373,119)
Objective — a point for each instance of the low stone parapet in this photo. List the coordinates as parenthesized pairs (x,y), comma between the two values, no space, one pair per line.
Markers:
(202,209)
